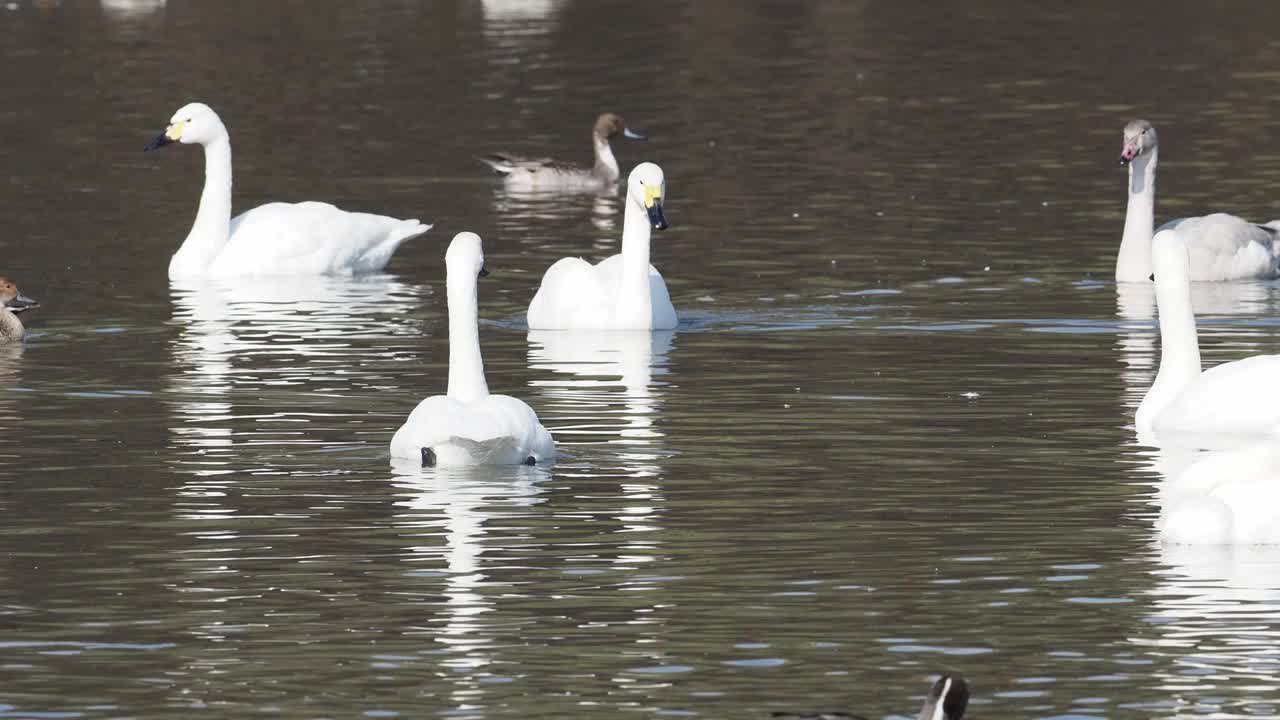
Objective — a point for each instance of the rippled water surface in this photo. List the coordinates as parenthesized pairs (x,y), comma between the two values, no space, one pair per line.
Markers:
(891,436)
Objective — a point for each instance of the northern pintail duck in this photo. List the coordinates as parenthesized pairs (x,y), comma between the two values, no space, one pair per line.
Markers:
(539,173)
(11,303)
(947,700)
(1222,246)
(306,238)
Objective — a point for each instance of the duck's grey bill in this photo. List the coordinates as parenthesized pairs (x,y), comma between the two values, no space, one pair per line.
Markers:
(20,303)
(629,133)
(656,218)
(159,142)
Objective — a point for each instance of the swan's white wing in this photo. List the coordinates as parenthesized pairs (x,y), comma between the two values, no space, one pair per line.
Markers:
(311,238)
(572,295)
(1235,398)
(1226,247)
(578,295)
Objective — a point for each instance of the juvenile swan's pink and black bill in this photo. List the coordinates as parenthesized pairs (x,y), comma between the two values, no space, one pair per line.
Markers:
(1129,152)
(632,134)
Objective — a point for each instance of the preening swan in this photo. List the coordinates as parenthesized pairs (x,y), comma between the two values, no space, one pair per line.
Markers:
(467,425)
(947,700)
(624,292)
(535,173)
(307,238)
(1234,398)
(1222,247)
(12,302)
(1226,497)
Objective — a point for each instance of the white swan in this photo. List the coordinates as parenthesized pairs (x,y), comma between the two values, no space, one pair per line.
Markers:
(1234,398)
(623,292)
(1223,247)
(12,302)
(467,425)
(307,238)
(1225,497)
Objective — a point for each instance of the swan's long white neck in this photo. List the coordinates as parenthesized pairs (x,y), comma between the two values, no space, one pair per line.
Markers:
(606,165)
(466,368)
(635,302)
(212,227)
(1179,346)
(1133,262)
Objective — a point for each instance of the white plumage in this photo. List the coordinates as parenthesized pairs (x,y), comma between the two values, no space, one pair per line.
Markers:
(307,238)
(1224,497)
(1222,246)
(1235,398)
(623,292)
(467,425)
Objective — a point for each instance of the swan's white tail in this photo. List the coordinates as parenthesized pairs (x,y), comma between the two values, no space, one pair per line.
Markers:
(377,257)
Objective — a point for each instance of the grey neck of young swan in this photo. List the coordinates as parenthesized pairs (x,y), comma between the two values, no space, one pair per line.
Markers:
(1133,262)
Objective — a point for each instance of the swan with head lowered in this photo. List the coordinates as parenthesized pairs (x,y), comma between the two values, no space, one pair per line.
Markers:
(622,292)
(1222,246)
(306,238)
(1240,398)
(467,425)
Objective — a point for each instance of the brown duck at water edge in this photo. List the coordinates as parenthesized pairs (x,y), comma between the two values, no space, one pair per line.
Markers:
(12,302)
(947,700)
(531,173)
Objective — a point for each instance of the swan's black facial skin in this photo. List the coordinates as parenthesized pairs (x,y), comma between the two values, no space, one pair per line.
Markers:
(428,457)
(531,460)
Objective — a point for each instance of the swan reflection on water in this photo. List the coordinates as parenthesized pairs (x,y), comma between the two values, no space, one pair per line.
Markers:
(1212,609)
(306,339)
(590,368)
(457,502)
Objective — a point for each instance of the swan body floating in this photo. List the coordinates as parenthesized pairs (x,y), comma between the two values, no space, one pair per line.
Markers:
(12,302)
(1222,247)
(623,292)
(307,238)
(544,173)
(947,700)
(1225,497)
(1234,398)
(467,425)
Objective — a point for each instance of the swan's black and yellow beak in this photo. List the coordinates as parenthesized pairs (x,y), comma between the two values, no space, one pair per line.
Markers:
(653,205)
(169,136)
